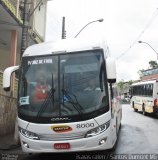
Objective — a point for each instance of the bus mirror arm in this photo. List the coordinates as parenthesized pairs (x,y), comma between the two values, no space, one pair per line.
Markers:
(111,81)
(7,77)
(111,91)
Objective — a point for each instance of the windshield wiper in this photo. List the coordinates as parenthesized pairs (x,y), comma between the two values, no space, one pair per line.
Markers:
(70,100)
(46,102)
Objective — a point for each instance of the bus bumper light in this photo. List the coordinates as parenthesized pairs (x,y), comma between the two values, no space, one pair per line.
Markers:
(25,144)
(102,141)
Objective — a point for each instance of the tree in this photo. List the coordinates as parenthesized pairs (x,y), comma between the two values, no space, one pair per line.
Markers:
(130,82)
(124,86)
(121,85)
(153,64)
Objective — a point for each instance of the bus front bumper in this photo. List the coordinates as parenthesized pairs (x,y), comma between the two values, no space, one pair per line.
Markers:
(100,142)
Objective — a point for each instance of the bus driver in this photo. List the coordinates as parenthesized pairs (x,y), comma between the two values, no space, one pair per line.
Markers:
(42,89)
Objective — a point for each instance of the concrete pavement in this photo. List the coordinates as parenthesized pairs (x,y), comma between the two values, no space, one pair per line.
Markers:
(7,142)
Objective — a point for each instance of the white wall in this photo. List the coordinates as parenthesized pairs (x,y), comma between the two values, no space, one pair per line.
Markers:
(39,21)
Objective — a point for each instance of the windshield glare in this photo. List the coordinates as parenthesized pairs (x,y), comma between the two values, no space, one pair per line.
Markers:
(63,85)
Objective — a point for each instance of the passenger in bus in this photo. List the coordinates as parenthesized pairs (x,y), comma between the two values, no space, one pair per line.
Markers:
(92,85)
(41,88)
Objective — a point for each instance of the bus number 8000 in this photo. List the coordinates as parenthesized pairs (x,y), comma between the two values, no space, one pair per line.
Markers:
(86,125)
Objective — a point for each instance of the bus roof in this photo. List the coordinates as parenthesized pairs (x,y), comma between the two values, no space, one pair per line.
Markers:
(144,82)
(63,46)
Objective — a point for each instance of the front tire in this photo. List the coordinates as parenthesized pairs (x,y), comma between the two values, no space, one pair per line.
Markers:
(143,110)
(135,110)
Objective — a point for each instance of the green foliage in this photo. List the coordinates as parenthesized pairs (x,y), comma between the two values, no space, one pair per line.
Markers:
(130,82)
(153,64)
(124,86)
(121,84)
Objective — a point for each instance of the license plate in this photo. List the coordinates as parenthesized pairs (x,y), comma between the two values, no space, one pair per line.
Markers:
(62,146)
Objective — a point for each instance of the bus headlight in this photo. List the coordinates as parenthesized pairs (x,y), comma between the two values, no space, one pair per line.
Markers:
(28,134)
(98,130)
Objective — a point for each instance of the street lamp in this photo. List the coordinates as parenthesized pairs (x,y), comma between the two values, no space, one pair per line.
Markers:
(150,47)
(99,20)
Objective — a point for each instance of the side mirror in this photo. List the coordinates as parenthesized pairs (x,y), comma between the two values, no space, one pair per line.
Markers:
(111,70)
(7,77)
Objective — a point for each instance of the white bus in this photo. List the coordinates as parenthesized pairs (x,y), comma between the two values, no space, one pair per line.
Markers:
(64,114)
(145,96)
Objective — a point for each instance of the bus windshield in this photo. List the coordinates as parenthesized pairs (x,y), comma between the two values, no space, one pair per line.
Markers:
(59,87)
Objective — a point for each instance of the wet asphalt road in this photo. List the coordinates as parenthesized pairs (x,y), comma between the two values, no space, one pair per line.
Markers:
(138,135)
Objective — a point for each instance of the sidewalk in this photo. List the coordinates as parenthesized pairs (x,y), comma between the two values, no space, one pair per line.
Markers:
(7,142)
(9,150)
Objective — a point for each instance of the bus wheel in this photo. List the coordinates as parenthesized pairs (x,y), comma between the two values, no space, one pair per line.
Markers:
(143,110)
(134,108)
(120,126)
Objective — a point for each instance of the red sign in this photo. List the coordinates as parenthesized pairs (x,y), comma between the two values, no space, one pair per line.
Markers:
(62,146)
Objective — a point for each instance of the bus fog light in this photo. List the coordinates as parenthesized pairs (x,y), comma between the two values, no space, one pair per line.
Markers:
(25,144)
(102,141)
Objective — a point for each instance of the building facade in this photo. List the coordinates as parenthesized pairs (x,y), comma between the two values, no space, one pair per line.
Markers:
(12,14)
(149,74)
(11,24)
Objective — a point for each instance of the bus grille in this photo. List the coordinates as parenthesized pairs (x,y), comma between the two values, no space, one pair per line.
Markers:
(59,137)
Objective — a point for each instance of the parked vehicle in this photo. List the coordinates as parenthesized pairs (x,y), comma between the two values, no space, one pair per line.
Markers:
(145,96)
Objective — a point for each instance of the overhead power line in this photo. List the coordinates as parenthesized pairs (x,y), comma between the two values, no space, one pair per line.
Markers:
(140,34)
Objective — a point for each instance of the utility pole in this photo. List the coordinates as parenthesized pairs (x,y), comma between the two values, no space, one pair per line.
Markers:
(24,44)
(24,40)
(25,25)
(63,29)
